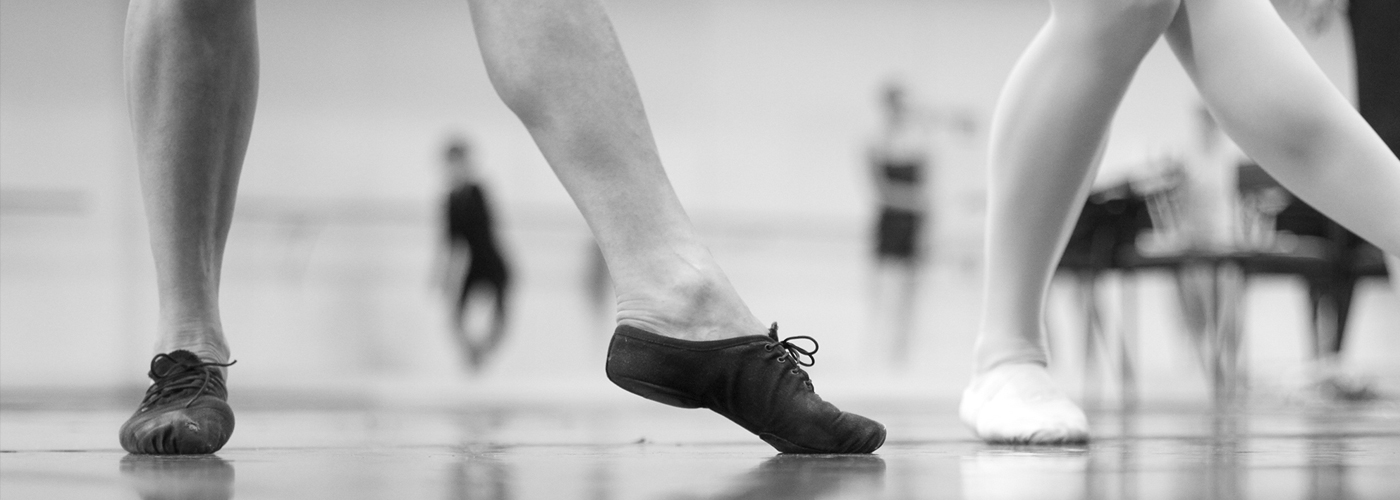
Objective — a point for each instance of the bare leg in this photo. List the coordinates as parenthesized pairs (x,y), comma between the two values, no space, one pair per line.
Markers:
(460,324)
(558,65)
(192,71)
(894,287)
(1047,135)
(1271,98)
(908,272)
(684,337)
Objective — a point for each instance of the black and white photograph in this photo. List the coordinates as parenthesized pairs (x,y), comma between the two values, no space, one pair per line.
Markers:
(704,249)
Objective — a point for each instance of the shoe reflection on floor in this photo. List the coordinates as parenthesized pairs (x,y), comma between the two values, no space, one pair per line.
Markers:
(792,477)
(189,477)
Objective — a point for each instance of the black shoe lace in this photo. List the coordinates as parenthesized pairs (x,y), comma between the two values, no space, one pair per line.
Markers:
(180,376)
(794,351)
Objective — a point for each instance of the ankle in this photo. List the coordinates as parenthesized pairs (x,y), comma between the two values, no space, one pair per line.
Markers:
(989,355)
(691,300)
(203,338)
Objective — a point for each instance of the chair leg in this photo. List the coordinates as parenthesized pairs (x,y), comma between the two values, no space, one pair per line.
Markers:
(1093,330)
(1127,337)
(1213,335)
(1224,342)
(1343,291)
(1232,284)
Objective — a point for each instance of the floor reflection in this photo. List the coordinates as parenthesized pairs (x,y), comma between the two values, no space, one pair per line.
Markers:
(1327,470)
(1221,474)
(1169,454)
(480,477)
(798,477)
(1044,472)
(203,477)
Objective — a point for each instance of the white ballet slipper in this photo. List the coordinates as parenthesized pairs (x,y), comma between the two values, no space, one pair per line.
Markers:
(1020,404)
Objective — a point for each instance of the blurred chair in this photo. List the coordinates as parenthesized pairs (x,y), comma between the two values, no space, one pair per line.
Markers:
(1135,227)
(1349,261)
(1107,226)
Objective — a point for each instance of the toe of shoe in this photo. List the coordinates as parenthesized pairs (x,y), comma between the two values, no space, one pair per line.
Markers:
(873,440)
(177,432)
(1034,429)
(1038,436)
(866,435)
(849,434)
(1015,421)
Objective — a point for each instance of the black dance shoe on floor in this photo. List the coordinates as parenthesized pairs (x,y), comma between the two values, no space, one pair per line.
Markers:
(756,381)
(185,412)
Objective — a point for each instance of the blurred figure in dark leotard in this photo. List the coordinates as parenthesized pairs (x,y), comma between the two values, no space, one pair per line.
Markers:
(899,163)
(475,268)
(901,167)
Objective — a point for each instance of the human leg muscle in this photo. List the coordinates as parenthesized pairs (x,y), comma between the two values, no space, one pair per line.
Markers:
(559,67)
(191,72)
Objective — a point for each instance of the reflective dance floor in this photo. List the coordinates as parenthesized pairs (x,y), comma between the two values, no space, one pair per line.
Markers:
(623,449)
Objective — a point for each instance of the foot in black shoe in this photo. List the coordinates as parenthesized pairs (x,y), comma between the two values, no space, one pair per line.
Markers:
(756,381)
(185,410)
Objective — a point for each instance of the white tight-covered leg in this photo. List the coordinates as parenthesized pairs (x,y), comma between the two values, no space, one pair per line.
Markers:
(1047,134)
(1272,99)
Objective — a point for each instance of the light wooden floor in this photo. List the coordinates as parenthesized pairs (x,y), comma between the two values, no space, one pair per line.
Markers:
(625,451)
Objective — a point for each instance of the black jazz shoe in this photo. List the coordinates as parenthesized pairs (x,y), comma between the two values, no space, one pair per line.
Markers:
(185,411)
(756,381)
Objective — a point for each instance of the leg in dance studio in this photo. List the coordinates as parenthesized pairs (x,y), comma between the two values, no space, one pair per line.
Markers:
(683,332)
(1273,100)
(1267,94)
(500,293)
(489,281)
(191,70)
(460,320)
(1047,135)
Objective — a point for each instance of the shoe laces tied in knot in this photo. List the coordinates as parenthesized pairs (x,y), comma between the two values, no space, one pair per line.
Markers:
(794,351)
(180,375)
